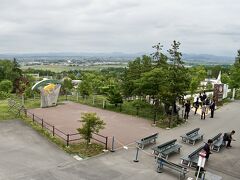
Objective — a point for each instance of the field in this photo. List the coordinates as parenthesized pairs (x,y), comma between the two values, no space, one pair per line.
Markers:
(60,68)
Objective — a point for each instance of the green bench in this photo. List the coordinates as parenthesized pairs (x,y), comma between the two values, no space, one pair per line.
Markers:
(191,160)
(218,143)
(192,136)
(147,140)
(161,162)
(166,148)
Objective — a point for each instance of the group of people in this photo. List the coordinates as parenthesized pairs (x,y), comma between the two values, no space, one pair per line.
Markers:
(227,139)
(205,104)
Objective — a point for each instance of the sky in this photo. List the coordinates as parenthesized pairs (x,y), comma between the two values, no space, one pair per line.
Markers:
(128,26)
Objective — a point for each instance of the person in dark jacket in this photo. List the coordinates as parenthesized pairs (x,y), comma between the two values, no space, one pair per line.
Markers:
(187,109)
(196,105)
(227,137)
(207,148)
(204,96)
(212,108)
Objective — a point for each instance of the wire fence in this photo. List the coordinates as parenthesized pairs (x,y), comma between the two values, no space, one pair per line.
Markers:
(126,107)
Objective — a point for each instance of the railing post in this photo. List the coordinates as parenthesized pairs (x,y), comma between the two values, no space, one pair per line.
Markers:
(42,123)
(67,140)
(33,118)
(112,150)
(136,158)
(53,132)
(25,111)
(106,145)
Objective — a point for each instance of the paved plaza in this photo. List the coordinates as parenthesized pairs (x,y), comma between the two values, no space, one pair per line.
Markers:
(26,155)
(125,128)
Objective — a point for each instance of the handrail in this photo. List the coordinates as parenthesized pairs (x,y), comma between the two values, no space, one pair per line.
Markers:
(60,133)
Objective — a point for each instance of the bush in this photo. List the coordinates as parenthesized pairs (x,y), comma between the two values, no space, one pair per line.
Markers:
(4,95)
(6,86)
(237,95)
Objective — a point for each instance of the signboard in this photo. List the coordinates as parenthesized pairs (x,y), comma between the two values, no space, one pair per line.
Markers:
(218,93)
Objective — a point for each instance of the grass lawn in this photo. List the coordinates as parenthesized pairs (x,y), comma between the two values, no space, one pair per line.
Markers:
(60,68)
(82,150)
(4,114)
(32,103)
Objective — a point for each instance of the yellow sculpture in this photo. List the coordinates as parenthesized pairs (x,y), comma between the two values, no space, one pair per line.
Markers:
(49,88)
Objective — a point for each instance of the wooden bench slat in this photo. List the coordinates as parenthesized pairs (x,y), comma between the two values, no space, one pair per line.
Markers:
(192,136)
(166,148)
(147,140)
(193,131)
(217,137)
(179,168)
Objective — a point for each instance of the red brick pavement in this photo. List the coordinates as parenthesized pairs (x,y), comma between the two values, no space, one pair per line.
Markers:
(125,128)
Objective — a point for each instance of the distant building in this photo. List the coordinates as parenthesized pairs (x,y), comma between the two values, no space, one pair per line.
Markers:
(213,81)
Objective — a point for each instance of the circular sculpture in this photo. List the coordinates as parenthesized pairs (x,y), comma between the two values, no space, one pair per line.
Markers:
(49,90)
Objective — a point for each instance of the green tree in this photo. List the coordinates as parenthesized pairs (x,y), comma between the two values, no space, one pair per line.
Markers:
(194,83)
(85,88)
(132,73)
(29,93)
(91,124)
(196,74)
(114,96)
(67,86)
(178,77)
(154,84)
(21,85)
(209,86)
(138,104)
(159,58)
(235,73)
(6,86)
(10,70)
(225,78)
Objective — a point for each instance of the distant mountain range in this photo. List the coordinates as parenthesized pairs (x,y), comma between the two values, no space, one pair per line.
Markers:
(207,58)
(189,58)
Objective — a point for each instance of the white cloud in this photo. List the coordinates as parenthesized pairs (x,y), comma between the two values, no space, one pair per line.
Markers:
(119,25)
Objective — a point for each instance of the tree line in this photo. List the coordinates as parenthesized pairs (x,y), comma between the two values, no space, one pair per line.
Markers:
(160,77)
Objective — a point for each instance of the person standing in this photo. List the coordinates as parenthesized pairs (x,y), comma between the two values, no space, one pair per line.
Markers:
(207,148)
(201,99)
(212,108)
(204,96)
(207,104)
(187,109)
(203,111)
(196,105)
(228,137)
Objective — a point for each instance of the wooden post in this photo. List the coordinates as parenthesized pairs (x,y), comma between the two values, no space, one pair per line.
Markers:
(53,132)
(67,140)
(93,100)
(106,145)
(42,123)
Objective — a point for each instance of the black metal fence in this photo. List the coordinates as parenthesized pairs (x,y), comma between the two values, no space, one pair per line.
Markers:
(67,138)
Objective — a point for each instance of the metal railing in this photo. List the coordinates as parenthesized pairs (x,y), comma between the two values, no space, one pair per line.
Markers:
(67,137)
